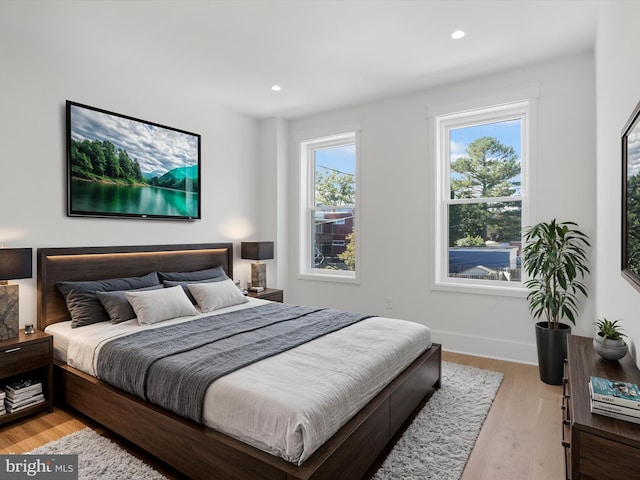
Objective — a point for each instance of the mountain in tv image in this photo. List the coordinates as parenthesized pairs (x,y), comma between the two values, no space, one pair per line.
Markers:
(180,178)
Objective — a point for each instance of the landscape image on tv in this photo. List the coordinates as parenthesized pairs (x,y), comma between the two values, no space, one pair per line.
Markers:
(125,167)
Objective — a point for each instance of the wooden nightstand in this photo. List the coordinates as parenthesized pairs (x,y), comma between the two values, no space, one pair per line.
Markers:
(272,294)
(28,356)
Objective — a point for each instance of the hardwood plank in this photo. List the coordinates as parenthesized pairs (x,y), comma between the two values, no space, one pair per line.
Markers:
(521,437)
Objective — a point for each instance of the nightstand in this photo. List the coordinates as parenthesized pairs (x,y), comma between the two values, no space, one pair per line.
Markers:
(28,356)
(272,294)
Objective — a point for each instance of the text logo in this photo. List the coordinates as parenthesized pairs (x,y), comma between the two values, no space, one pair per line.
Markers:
(50,467)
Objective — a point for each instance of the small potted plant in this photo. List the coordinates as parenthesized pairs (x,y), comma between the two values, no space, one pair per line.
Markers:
(608,342)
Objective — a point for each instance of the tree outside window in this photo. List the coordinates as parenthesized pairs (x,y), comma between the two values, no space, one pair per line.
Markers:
(335,199)
(329,190)
(482,194)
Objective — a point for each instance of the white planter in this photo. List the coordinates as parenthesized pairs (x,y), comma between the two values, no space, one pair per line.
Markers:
(612,350)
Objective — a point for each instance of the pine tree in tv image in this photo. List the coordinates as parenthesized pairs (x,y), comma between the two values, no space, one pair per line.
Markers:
(121,166)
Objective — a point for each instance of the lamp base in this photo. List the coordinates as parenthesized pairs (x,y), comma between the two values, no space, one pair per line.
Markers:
(8,311)
(259,275)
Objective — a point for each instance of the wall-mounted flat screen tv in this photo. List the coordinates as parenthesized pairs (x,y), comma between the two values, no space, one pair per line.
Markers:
(119,166)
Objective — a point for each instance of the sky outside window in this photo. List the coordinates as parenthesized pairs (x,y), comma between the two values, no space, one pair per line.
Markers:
(342,159)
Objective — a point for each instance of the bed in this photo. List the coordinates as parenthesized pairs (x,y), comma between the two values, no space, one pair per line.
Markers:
(192,448)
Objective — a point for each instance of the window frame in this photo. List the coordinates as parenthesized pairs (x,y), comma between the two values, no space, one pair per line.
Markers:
(443,123)
(308,208)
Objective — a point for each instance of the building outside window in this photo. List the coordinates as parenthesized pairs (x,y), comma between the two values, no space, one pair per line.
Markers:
(482,157)
(328,239)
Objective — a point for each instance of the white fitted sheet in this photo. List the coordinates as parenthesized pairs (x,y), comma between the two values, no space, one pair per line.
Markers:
(289,404)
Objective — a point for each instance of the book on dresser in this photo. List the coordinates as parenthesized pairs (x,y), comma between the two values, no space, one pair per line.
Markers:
(616,399)
(625,394)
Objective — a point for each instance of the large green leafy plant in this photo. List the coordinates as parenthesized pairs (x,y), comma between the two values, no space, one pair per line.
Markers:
(555,261)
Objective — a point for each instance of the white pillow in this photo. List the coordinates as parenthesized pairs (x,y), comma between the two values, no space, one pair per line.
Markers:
(155,306)
(212,296)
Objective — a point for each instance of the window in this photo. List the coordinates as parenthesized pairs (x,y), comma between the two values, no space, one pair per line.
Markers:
(328,239)
(481,159)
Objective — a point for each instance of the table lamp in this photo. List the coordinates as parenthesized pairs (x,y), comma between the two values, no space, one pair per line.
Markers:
(15,263)
(257,251)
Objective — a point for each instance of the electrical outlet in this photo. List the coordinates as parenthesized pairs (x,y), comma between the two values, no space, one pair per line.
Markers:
(387,303)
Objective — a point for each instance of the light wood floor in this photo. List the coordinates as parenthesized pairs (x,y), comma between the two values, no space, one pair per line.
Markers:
(520,439)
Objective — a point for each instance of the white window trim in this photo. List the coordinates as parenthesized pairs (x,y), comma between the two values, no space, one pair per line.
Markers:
(439,124)
(306,202)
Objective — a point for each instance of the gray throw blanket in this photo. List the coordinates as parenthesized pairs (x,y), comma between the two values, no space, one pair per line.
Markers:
(173,366)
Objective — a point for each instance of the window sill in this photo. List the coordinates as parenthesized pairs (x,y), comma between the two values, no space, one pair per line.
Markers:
(330,277)
(518,290)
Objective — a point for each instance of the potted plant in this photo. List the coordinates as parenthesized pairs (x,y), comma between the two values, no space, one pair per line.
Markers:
(608,342)
(555,262)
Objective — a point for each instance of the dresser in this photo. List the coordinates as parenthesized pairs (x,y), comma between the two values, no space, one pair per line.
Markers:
(596,447)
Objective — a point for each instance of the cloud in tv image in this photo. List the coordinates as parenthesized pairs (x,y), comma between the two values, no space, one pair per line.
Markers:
(121,166)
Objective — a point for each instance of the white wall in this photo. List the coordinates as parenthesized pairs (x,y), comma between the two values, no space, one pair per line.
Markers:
(249,175)
(37,78)
(618,92)
(397,185)
(273,174)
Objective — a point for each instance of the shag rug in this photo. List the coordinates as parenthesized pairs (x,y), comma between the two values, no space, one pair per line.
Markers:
(439,441)
(436,445)
(99,457)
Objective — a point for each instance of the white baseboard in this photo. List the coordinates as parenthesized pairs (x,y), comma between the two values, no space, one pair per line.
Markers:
(519,352)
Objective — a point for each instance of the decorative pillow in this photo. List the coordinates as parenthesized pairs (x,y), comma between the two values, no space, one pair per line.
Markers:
(117,305)
(212,296)
(82,300)
(184,284)
(192,276)
(158,305)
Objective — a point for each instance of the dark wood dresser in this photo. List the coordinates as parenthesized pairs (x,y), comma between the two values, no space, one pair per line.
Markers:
(596,447)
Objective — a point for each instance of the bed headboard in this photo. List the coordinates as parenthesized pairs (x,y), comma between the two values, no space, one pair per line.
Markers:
(96,263)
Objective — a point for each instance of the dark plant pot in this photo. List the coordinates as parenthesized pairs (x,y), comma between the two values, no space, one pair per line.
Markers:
(552,351)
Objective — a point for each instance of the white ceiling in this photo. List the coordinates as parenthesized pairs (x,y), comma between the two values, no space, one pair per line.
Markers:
(324,53)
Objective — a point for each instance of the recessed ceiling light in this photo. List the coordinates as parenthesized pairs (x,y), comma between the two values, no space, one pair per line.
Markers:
(458,34)
(276,88)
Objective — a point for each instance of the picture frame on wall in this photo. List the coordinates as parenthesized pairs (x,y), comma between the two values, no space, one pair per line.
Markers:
(124,167)
(631,198)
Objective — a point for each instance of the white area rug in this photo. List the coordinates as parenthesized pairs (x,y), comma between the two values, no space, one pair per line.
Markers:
(435,446)
(439,441)
(99,457)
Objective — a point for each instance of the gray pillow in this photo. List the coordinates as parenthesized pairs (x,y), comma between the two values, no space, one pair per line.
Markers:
(82,300)
(117,305)
(158,306)
(196,275)
(185,284)
(213,296)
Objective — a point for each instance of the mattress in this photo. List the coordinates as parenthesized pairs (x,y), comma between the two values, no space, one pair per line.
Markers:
(287,405)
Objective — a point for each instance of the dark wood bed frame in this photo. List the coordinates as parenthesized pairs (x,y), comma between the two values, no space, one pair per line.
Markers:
(197,451)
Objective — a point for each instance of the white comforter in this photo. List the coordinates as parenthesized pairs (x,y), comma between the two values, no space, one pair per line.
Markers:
(290,404)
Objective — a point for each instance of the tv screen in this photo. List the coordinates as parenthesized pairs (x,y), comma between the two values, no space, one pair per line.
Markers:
(119,166)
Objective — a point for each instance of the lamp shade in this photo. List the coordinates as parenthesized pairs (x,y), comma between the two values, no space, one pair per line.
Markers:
(15,263)
(256,250)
